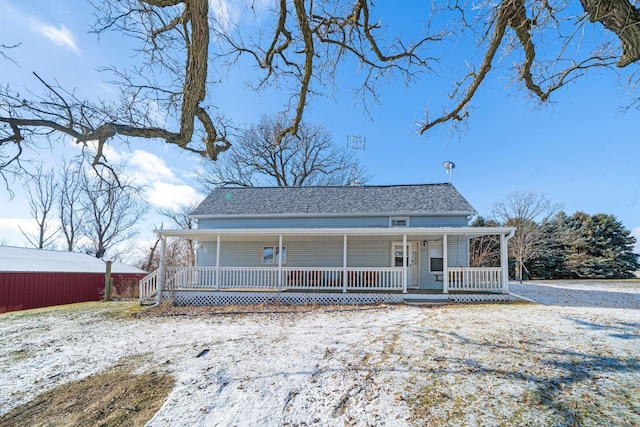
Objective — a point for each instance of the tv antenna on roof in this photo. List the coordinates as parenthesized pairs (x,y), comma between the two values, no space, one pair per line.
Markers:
(355,143)
(449,167)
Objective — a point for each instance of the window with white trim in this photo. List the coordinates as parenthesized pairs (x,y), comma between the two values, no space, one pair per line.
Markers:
(270,255)
(400,221)
(436,258)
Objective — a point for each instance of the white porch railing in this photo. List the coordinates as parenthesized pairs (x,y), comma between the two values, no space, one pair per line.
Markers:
(486,279)
(478,279)
(292,278)
(148,286)
(358,278)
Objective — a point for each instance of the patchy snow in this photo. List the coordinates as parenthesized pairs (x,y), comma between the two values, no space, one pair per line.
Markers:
(582,294)
(466,364)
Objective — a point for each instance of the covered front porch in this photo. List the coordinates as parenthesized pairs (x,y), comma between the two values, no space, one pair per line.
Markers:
(327,265)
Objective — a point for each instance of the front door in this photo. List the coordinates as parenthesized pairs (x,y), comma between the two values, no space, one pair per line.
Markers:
(412,261)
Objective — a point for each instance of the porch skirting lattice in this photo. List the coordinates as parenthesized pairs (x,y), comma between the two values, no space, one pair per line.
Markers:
(466,298)
(202,298)
(297,298)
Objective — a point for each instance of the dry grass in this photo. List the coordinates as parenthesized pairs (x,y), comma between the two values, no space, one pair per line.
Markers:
(167,309)
(114,397)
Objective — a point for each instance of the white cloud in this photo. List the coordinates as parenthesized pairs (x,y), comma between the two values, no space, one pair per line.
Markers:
(61,35)
(147,168)
(10,230)
(225,12)
(162,187)
(229,13)
(171,196)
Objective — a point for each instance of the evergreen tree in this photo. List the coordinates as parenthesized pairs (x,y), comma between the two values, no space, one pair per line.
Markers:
(550,262)
(601,248)
(584,246)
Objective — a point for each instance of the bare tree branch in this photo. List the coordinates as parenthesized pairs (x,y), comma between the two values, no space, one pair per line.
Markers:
(301,46)
(621,17)
(113,209)
(42,195)
(263,156)
(71,213)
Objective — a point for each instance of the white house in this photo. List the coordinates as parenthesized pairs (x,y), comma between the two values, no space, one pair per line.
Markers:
(352,244)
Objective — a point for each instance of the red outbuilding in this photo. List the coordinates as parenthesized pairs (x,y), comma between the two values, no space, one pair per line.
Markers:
(32,278)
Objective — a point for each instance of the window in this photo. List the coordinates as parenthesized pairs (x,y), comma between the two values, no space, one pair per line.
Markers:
(398,222)
(436,261)
(270,255)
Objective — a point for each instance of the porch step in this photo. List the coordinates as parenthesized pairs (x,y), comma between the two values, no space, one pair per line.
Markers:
(149,300)
(426,296)
(427,302)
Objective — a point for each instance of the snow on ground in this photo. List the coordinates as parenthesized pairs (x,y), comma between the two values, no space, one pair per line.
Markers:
(393,365)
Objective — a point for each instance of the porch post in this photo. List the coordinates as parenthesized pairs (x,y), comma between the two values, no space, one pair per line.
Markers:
(280,262)
(344,264)
(445,265)
(218,263)
(404,264)
(504,263)
(160,283)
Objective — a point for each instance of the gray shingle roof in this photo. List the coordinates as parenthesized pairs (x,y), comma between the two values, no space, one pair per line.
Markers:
(364,200)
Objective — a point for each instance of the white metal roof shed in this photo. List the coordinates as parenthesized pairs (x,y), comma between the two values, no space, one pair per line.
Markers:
(14,259)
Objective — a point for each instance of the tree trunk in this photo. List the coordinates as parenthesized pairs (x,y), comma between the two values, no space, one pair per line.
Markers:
(622,18)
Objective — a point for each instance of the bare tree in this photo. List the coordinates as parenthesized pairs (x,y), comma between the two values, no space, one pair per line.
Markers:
(71,212)
(176,254)
(300,45)
(181,215)
(524,211)
(181,218)
(484,251)
(113,208)
(149,255)
(265,155)
(4,48)
(42,195)
(174,38)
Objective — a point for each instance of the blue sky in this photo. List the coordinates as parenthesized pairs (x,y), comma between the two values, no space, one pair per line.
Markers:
(578,149)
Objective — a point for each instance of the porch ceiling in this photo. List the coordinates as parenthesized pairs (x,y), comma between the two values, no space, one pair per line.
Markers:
(412,233)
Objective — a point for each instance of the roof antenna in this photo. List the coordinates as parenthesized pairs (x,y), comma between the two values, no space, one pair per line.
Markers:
(355,143)
(449,167)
